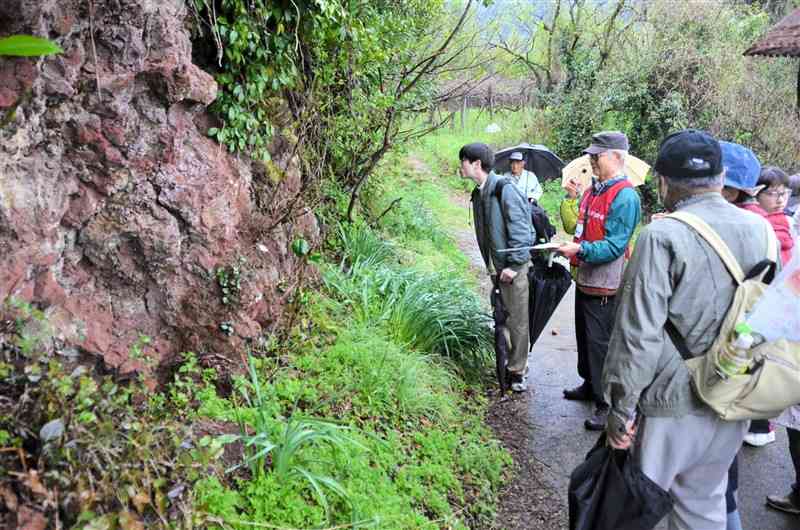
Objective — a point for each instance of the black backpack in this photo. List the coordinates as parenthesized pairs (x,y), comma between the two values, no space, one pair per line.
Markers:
(541,222)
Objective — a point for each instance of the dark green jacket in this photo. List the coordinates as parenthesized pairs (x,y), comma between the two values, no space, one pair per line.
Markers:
(502,226)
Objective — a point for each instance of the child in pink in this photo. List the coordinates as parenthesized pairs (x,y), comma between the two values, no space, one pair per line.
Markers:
(772,198)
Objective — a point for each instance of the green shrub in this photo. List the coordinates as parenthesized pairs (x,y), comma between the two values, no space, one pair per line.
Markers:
(438,313)
(361,245)
(551,200)
(680,66)
(435,313)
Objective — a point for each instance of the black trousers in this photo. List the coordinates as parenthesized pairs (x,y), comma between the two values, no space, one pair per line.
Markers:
(594,319)
(794,450)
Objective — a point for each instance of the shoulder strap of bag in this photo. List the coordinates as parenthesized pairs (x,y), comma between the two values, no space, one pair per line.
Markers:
(498,190)
(716,242)
(766,266)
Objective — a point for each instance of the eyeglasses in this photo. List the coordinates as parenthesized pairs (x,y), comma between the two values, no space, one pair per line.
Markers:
(777,194)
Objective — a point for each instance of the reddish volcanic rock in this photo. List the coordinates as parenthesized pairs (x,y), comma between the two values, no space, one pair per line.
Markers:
(115,209)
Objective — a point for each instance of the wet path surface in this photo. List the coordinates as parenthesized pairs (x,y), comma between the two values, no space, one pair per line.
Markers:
(560,439)
(545,433)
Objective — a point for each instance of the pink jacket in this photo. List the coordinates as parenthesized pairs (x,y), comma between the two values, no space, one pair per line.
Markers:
(780,224)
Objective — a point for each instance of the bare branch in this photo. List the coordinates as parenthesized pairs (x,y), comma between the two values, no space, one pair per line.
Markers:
(426,63)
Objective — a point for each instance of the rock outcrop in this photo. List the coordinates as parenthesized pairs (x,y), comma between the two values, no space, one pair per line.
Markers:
(116,209)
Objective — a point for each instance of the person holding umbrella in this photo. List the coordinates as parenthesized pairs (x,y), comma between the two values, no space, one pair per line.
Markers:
(505,234)
(608,214)
(526,180)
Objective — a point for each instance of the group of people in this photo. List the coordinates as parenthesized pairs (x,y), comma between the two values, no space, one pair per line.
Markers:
(641,310)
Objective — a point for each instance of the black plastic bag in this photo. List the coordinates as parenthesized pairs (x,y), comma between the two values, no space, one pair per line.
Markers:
(609,492)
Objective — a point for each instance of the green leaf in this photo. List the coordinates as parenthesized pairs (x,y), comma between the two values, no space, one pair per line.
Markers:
(28,46)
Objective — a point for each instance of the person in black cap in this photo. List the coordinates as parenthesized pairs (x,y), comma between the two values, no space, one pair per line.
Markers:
(608,214)
(503,223)
(674,296)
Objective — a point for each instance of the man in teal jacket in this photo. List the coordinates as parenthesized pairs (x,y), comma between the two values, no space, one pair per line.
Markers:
(503,223)
(608,214)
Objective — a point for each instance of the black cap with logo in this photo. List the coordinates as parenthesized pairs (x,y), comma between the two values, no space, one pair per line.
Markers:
(690,153)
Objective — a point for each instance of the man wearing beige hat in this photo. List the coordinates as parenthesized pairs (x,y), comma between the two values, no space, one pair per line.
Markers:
(608,214)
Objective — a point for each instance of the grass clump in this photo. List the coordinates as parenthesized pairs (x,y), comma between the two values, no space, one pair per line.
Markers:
(431,312)
(437,313)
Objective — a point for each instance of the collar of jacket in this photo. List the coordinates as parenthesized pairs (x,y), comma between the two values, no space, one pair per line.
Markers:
(488,185)
(599,187)
(702,197)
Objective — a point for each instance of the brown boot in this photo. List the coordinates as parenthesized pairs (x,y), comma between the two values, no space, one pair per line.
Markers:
(789,503)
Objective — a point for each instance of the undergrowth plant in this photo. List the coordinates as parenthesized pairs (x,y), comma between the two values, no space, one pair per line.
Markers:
(359,244)
(282,454)
(32,328)
(86,449)
(438,313)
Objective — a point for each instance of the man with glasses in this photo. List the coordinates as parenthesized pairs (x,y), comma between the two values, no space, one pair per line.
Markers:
(608,214)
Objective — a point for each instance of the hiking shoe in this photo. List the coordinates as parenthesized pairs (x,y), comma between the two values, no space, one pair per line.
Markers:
(759,439)
(519,382)
(789,503)
(579,393)
(597,422)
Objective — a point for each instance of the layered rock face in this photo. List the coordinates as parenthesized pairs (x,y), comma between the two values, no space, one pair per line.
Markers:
(115,208)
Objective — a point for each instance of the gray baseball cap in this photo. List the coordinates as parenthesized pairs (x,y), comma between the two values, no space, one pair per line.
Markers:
(605,141)
(516,155)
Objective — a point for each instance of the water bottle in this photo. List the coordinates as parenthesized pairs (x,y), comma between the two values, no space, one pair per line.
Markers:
(735,358)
